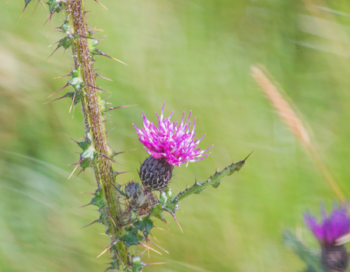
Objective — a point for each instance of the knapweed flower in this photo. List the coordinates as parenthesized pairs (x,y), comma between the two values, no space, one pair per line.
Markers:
(169,144)
(327,232)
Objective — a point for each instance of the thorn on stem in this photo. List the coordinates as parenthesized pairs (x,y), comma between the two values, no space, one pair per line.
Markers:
(65,86)
(85,205)
(98,2)
(248,156)
(25,6)
(75,168)
(150,248)
(48,31)
(103,252)
(38,4)
(61,76)
(159,247)
(71,139)
(82,169)
(117,153)
(110,216)
(119,173)
(73,100)
(114,108)
(93,222)
(147,264)
(109,130)
(55,99)
(53,52)
(94,29)
(177,222)
(108,158)
(105,55)
(106,78)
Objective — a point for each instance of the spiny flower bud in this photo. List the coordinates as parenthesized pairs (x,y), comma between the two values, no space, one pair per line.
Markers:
(133,190)
(168,145)
(155,174)
(334,257)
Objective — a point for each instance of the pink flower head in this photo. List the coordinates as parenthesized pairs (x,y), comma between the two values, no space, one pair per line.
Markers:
(331,227)
(174,143)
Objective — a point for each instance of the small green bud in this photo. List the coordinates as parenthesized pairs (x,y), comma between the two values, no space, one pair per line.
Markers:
(76,81)
(66,42)
(66,28)
(133,190)
(92,45)
(87,156)
(55,5)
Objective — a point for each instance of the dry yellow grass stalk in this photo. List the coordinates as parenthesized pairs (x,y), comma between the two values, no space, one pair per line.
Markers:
(291,119)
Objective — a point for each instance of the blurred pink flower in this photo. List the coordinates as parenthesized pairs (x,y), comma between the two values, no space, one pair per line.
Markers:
(330,228)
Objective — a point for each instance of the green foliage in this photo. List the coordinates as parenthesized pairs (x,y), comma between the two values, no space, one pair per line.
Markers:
(144,225)
(137,264)
(168,201)
(99,199)
(213,181)
(183,53)
(55,6)
(86,143)
(65,42)
(311,260)
(131,236)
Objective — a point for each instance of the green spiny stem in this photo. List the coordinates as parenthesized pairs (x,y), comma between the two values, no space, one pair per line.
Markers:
(169,202)
(129,227)
(214,180)
(94,122)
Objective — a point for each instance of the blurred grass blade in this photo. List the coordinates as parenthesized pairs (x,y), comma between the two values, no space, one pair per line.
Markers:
(291,119)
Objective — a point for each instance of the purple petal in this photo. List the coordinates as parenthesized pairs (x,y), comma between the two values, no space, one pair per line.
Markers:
(332,227)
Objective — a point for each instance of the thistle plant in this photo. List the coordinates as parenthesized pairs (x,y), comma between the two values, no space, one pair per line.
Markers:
(168,145)
(128,212)
(329,233)
(334,256)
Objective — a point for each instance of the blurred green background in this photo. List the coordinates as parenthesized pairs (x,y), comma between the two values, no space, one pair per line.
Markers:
(194,55)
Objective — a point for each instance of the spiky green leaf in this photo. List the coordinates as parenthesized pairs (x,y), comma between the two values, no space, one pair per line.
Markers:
(168,201)
(99,200)
(214,181)
(131,236)
(156,210)
(145,225)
